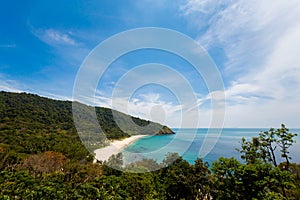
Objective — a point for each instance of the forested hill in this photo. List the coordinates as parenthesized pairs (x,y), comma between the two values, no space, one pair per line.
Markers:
(37,124)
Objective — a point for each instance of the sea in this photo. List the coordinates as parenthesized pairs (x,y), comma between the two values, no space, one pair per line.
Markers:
(207,144)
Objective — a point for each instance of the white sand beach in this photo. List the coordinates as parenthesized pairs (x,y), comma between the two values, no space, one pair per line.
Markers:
(115,147)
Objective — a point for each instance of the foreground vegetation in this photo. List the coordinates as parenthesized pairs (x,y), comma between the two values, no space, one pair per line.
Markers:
(52,175)
(41,157)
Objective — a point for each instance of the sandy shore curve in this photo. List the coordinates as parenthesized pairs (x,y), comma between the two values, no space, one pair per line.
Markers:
(115,147)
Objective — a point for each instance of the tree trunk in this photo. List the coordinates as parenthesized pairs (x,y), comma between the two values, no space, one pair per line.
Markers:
(273,157)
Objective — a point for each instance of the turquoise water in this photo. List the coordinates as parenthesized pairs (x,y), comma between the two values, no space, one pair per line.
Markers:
(188,143)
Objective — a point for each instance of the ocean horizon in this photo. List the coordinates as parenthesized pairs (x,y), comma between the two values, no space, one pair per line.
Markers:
(206,143)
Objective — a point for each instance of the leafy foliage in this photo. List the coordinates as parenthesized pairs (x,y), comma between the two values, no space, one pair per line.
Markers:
(260,153)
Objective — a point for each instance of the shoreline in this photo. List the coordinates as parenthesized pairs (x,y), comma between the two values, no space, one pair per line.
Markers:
(115,147)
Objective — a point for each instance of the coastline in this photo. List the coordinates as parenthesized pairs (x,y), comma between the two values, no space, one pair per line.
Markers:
(115,147)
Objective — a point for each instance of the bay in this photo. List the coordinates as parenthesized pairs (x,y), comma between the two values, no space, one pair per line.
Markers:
(208,144)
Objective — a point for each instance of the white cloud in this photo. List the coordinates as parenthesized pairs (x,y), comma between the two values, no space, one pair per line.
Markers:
(261,42)
(8,88)
(70,45)
(9,85)
(148,106)
(151,97)
(244,29)
(201,6)
(55,37)
(59,37)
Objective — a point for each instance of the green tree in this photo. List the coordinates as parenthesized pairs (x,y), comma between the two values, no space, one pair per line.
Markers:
(268,141)
(262,150)
(227,179)
(285,141)
(201,180)
(177,178)
(250,151)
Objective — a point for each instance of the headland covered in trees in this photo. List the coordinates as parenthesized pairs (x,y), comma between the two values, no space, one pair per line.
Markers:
(42,157)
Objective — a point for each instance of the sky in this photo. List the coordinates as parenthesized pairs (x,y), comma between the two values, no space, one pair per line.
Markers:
(254,44)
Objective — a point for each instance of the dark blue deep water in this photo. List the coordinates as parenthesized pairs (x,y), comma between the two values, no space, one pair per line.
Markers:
(209,144)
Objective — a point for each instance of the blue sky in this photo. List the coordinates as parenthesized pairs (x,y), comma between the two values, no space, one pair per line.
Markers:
(254,44)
